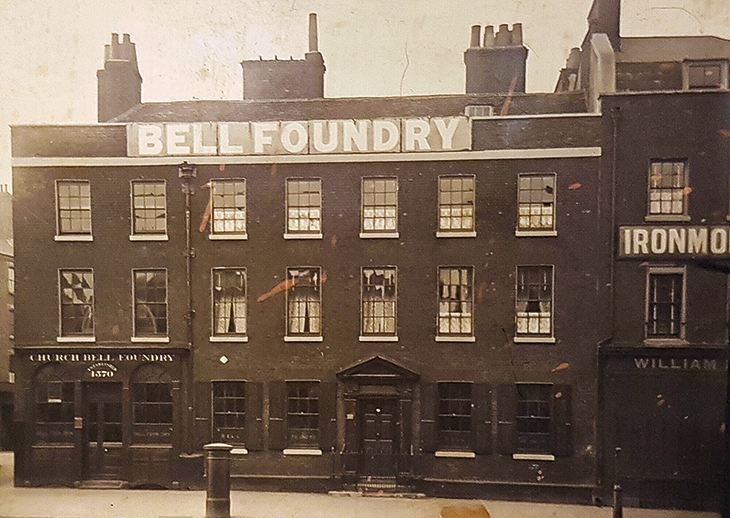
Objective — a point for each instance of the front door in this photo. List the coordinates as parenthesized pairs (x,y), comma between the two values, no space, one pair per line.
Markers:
(379,438)
(103,424)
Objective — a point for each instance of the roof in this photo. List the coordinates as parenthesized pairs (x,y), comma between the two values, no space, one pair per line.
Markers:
(348,108)
(672,48)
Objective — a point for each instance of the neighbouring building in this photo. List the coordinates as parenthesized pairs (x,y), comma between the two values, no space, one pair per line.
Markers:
(7,307)
(403,293)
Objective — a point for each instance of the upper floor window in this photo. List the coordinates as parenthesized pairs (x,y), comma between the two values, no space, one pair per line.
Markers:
(379,300)
(456,206)
(454,419)
(668,189)
(302,414)
(150,303)
(536,204)
(303,208)
(304,303)
(534,303)
(11,278)
(228,199)
(456,303)
(76,293)
(703,75)
(229,411)
(229,302)
(665,303)
(73,210)
(149,210)
(379,207)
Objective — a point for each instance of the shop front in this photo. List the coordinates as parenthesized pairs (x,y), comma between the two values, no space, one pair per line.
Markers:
(102,419)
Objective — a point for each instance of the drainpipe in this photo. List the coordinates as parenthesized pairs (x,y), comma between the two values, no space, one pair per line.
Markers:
(186,173)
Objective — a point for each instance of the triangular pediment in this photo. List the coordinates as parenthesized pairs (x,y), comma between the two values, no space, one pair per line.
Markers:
(378,369)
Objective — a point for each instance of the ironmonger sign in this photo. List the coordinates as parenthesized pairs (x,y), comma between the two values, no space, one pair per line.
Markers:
(391,135)
(661,241)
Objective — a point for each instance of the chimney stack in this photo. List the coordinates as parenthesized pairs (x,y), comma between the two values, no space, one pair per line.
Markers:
(292,79)
(119,82)
(501,60)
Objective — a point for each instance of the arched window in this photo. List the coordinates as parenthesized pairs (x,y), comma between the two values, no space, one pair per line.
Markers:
(152,405)
(54,405)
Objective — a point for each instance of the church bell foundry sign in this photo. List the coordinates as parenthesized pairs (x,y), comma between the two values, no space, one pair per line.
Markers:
(673,241)
(391,135)
(101,365)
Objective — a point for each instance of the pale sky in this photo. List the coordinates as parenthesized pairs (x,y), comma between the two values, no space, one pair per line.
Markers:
(50,50)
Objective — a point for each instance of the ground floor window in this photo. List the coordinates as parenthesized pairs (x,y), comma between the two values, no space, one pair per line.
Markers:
(229,411)
(454,419)
(54,408)
(534,417)
(302,414)
(152,405)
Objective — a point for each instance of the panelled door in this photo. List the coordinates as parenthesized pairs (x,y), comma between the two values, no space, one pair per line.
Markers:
(103,426)
(379,448)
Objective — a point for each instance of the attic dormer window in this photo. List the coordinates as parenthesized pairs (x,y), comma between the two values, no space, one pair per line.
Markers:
(705,75)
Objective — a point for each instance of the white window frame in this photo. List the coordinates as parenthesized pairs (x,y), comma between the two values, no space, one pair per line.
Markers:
(68,337)
(146,236)
(227,337)
(679,340)
(722,63)
(383,336)
(540,231)
(379,233)
(301,336)
(446,232)
(228,235)
(11,278)
(72,236)
(156,337)
(661,216)
(295,234)
(454,337)
(535,337)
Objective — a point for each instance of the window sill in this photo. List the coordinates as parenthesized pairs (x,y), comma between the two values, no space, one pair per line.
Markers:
(378,338)
(379,235)
(533,456)
(303,339)
(534,339)
(667,217)
(151,339)
(303,236)
(456,454)
(455,339)
(536,233)
(71,339)
(228,339)
(441,233)
(665,342)
(302,451)
(77,237)
(228,237)
(239,451)
(148,237)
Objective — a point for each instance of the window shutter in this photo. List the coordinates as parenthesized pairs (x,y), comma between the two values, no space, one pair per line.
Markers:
(481,418)
(429,403)
(506,411)
(254,424)
(277,415)
(203,413)
(327,415)
(561,421)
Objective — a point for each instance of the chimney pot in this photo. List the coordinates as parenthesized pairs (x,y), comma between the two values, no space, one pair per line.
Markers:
(476,32)
(504,38)
(573,58)
(517,34)
(489,36)
(313,37)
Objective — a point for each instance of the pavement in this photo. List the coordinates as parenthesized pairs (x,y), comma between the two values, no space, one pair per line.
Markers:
(135,503)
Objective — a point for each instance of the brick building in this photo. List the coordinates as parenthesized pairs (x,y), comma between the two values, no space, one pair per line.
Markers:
(375,293)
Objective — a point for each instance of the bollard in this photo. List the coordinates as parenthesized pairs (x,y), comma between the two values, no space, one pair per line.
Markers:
(618,502)
(218,494)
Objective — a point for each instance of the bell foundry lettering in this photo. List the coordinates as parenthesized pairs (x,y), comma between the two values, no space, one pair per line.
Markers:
(101,357)
(299,137)
(655,241)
